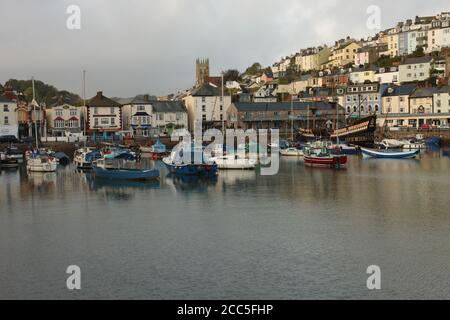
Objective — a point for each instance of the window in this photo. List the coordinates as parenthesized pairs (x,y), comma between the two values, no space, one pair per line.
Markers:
(141,108)
(105,121)
(5,108)
(112,110)
(96,122)
(377,108)
(113,121)
(59,124)
(204,117)
(95,110)
(203,108)
(73,112)
(203,99)
(59,113)
(6,120)
(221,108)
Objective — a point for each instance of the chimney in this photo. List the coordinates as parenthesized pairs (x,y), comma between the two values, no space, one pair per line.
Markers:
(99,94)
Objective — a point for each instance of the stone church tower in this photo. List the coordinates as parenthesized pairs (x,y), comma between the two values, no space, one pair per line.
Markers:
(201,71)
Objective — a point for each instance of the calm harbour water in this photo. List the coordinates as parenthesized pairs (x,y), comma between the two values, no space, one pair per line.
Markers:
(303,234)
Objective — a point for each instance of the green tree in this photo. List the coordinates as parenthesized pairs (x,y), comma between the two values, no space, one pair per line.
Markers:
(231,75)
(253,69)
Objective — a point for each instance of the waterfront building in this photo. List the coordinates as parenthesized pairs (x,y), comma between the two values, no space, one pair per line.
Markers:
(206,105)
(104,117)
(168,115)
(9,125)
(415,69)
(364,99)
(137,116)
(63,117)
(395,99)
(23,114)
(441,100)
(145,117)
(281,115)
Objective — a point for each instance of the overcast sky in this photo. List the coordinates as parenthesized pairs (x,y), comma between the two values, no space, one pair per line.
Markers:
(150,46)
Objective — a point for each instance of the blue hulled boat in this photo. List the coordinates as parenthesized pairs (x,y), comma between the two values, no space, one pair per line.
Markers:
(370,153)
(102,171)
(176,165)
(446,153)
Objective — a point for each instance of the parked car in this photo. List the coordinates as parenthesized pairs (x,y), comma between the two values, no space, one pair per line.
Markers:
(9,139)
(425,127)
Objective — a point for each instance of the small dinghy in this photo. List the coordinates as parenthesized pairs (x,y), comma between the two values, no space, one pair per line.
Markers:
(370,153)
(291,152)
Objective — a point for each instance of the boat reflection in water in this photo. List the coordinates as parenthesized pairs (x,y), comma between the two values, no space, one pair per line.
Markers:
(119,189)
(42,179)
(190,183)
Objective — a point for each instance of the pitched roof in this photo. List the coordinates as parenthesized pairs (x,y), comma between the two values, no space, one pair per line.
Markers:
(101,101)
(404,90)
(281,106)
(169,106)
(418,60)
(206,90)
(424,92)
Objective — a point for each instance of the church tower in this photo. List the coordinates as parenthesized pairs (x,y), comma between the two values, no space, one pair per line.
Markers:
(201,71)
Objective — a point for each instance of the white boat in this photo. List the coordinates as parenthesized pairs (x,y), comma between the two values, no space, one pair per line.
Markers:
(84,157)
(291,152)
(413,145)
(369,153)
(41,163)
(234,162)
(391,144)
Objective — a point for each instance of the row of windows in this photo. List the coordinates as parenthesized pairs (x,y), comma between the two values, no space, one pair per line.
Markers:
(363,109)
(362,89)
(66,124)
(368,98)
(73,113)
(112,110)
(105,121)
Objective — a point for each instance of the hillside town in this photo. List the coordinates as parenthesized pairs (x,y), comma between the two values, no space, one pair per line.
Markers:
(400,74)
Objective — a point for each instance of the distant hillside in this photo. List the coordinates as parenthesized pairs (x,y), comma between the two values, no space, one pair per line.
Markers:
(148,97)
(45,93)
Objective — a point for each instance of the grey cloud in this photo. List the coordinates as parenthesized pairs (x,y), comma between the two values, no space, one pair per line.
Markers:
(137,46)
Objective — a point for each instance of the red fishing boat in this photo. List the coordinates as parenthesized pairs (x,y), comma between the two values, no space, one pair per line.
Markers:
(321,157)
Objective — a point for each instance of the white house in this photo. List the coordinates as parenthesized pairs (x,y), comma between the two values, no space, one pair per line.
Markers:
(387,76)
(104,117)
(144,117)
(441,100)
(8,118)
(206,105)
(63,118)
(415,69)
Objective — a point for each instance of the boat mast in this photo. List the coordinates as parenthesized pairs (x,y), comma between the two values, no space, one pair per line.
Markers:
(292,112)
(337,122)
(223,109)
(33,103)
(84,107)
